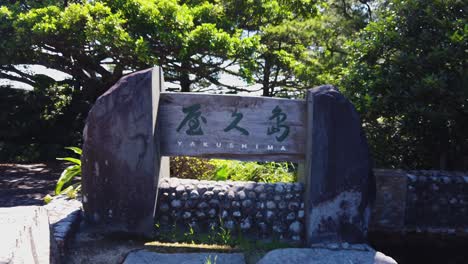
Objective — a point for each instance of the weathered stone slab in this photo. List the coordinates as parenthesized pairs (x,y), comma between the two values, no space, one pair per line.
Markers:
(121,155)
(26,236)
(324,256)
(144,256)
(339,183)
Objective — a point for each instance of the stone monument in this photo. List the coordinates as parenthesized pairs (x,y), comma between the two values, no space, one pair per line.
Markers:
(135,124)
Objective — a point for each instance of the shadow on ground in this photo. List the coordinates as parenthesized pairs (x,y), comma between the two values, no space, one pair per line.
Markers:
(27,184)
(424,248)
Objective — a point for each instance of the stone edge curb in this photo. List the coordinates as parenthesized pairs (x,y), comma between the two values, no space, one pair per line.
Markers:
(64,216)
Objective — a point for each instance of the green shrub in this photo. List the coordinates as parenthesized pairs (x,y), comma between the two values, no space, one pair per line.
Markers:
(221,170)
(252,171)
(190,168)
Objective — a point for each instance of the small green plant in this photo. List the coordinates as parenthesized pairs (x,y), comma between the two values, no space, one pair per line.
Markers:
(225,236)
(190,235)
(67,177)
(171,233)
(208,260)
(218,235)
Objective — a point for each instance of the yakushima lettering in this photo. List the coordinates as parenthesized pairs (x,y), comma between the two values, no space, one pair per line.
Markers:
(231,145)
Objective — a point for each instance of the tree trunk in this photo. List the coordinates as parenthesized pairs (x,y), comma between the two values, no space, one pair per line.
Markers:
(266,78)
(185,78)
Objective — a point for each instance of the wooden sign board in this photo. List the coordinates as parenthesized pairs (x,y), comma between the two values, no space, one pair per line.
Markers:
(232,127)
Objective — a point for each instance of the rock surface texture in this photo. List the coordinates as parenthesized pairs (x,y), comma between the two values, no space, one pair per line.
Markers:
(121,160)
(26,236)
(324,256)
(144,256)
(339,183)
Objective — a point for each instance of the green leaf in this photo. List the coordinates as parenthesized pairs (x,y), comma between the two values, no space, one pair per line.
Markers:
(222,173)
(67,175)
(48,199)
(75,149)
(72,191)
(76,161)
(67,190)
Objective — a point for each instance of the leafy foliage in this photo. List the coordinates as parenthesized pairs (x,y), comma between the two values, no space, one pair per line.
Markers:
(222,170)
(403,63)
(407,76)
(94,43)
(190,168)
(37,124)
(252,171)
(70,172)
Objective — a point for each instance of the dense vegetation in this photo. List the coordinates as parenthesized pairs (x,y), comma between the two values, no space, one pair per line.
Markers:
(402,62)
(222,170)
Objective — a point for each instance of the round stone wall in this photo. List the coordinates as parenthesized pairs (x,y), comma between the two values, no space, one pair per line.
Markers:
(260,210)
(407,201)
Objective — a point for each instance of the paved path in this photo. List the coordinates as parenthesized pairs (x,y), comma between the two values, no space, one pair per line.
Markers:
(27,184)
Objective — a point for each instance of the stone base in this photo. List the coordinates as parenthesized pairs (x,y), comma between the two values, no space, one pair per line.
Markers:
(144,256)
(325,256)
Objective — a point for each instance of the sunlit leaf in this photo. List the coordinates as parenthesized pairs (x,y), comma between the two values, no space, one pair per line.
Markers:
(76,161)
(67,175)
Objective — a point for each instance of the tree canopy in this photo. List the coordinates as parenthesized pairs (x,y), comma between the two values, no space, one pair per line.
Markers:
(408,76)
(96,42)
(403,63)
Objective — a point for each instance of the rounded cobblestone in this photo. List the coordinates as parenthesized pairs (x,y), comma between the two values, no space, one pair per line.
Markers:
(261,208)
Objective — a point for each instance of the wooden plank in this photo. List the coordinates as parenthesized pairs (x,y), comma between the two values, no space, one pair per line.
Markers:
(232,127)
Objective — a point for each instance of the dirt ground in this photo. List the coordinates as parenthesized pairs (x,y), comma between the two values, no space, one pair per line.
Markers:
(27,184)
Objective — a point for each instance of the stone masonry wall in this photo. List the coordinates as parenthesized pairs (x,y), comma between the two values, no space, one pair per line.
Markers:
(258,210)
(437,199)
(421,201)
(407,201)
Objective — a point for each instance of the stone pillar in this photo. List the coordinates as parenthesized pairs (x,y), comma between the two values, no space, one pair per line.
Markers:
(121,155)
(339,183)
